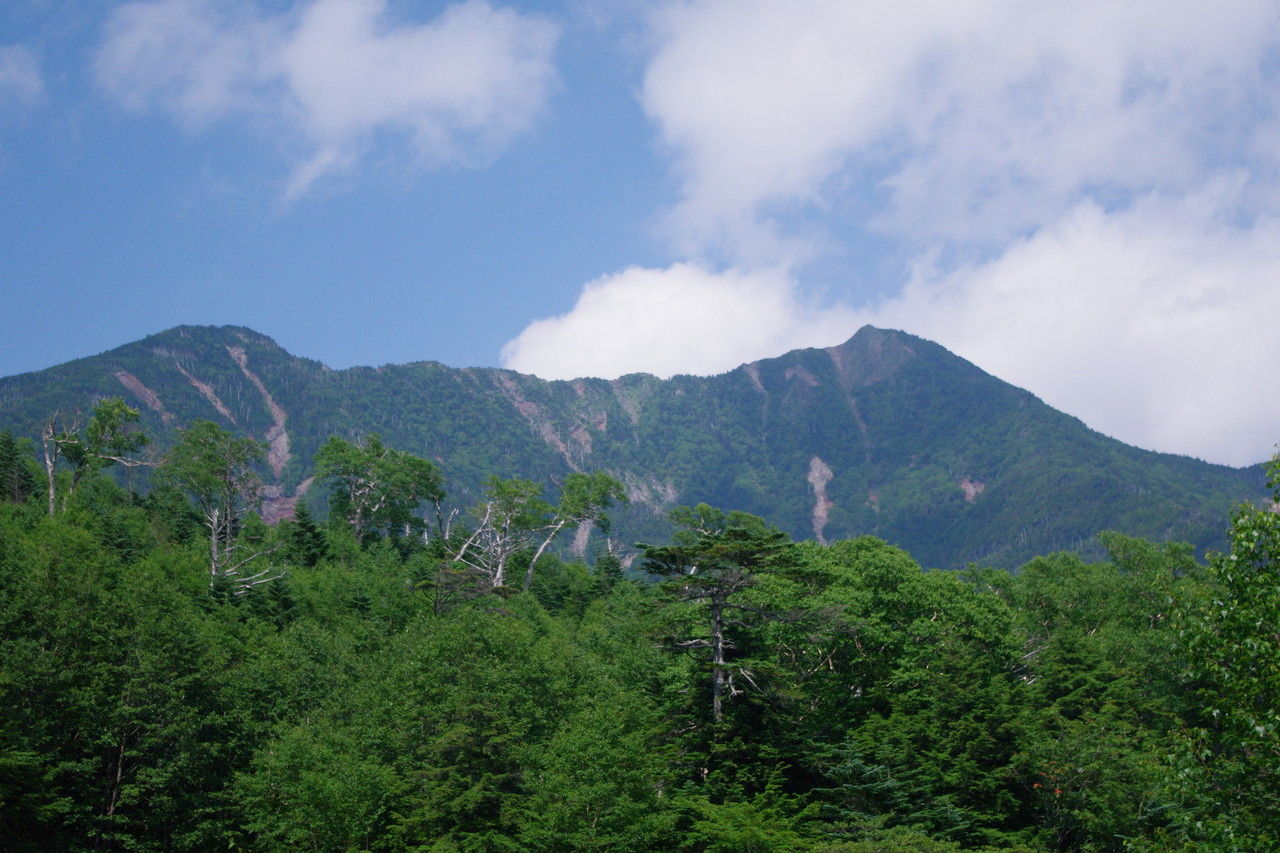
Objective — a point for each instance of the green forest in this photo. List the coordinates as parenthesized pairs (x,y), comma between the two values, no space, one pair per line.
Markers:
(921,448)
(392,671)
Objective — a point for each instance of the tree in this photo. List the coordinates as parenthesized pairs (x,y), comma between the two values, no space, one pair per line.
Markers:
(16,481)
(1231,643)
(714,558)
(514,516)
(108,439)
(305,542)
(505,522)
(51,448)
(583,500)
(215,469)
(378,489)
(595,784)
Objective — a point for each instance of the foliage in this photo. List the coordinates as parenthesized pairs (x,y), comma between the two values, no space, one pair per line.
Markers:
(715,558)
(215,469)
(107,439)
(304,543)
(513,517)
(1231,759)
(748,693)
(377,489)
(17,474)
(901,423)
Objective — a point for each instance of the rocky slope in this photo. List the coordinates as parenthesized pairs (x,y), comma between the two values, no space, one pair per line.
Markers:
(886,434)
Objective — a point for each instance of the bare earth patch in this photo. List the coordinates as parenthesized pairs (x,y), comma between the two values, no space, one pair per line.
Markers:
(537,419)
(971,489)
(819,475)
(149,398)
(277,437)
(275,507)
(581,536)
(799,372)
(207,392)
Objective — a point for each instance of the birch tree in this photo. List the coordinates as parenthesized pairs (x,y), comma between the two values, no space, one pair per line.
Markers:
(583,500)
(505,523)
(514,518)
(51,451)
(109,438)
(378,489)
(216,470)
(1231,644)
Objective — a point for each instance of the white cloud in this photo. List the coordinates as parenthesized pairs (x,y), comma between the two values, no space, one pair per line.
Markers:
(336,74)
(1114,164)
(198,59)
(983,119)
(20,80)
(1154,324)
(681,319)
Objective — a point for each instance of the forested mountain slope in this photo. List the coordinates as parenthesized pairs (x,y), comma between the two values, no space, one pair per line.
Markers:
(886,434)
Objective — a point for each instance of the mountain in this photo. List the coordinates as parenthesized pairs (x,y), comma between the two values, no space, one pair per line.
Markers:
(887,434)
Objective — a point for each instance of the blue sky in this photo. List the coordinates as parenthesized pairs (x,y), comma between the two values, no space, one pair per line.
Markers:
(1079,197)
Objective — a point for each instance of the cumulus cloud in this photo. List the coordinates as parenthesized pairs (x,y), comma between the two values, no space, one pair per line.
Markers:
(1086,189)
(979,120)
(1154,324)
(681,319)
(337,75)
(20,80)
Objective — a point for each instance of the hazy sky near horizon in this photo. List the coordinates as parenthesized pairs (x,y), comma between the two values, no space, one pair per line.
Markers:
(1082,198)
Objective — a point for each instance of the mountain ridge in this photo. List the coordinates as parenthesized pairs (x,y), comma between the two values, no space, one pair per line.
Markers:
(886,433)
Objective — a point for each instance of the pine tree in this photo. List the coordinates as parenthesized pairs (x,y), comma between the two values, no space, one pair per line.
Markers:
(17,483)
(305,541)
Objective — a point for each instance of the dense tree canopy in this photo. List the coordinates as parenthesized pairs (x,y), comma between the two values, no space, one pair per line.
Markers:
(1231,637)
(734,691)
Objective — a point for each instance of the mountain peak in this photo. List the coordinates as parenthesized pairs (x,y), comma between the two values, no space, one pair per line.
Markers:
(225,335)
(872,355)
(886,433)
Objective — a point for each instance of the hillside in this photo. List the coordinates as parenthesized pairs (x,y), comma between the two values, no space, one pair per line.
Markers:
(887,434)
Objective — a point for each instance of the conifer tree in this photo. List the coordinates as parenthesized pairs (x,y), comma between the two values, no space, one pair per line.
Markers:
(715,558)
(304,540)
(17,483)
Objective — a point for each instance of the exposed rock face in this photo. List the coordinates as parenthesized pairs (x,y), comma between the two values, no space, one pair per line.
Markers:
(581,536)
(800,373)
(276,507)
(650,491)
(207,392)
(277,437)
(819,475)
(536,417)
(275,504)
(872,436)
(971,489)
(149,398)
(753,373)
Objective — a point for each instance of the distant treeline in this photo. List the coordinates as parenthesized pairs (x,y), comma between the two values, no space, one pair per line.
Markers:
(409,675)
